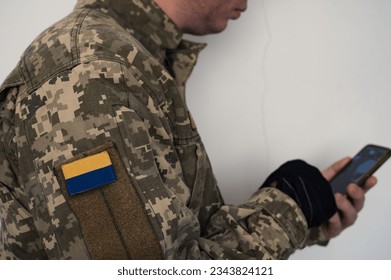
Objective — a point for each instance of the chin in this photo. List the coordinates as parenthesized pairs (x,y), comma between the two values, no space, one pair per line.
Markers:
(210,28)
(217,28)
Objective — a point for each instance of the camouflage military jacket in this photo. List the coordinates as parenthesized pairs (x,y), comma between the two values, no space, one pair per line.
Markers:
(100,157)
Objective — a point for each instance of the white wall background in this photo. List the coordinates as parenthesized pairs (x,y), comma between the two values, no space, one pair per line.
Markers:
(306,79)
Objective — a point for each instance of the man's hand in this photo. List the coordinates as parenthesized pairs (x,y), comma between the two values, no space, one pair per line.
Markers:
(348,207)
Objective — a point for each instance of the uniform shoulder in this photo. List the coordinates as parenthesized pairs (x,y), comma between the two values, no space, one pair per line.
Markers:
(53,51)
(102,37)
(85,35)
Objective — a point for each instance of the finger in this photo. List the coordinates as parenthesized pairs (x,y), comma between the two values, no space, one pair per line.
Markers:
(334,226)
(346,210)
(332,170)
(370,183)
(356,196)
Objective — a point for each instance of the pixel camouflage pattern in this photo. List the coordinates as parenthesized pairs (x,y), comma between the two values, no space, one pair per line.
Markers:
(115,72)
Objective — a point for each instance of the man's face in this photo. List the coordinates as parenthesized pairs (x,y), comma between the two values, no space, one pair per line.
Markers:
(212,16)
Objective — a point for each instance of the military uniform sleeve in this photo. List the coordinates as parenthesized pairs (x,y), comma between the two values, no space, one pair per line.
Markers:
(19,238)
(268,226)
(158,199)
(277,221)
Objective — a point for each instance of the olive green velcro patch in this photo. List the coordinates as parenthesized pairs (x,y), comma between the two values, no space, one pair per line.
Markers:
(112,217)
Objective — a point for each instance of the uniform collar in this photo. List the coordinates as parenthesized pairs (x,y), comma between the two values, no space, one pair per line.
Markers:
(143,18)
(154,29)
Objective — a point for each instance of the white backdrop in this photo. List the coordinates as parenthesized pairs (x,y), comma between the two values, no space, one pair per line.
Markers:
(305,79)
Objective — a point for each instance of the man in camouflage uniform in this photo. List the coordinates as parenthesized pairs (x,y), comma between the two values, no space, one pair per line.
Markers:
(101,159)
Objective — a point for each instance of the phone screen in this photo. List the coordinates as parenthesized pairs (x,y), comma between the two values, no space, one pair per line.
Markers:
(361,167)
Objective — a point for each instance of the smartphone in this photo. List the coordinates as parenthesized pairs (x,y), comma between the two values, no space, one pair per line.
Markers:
(360,168)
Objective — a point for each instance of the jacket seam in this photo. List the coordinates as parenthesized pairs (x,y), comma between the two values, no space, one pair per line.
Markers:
(75,57)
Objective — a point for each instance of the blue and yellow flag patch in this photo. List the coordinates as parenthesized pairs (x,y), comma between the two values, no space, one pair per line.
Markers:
(88,173)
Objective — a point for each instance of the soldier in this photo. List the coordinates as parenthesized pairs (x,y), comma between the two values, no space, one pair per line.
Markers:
(100,158)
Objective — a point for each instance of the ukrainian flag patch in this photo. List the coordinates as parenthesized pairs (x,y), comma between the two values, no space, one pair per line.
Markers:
(88,173)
